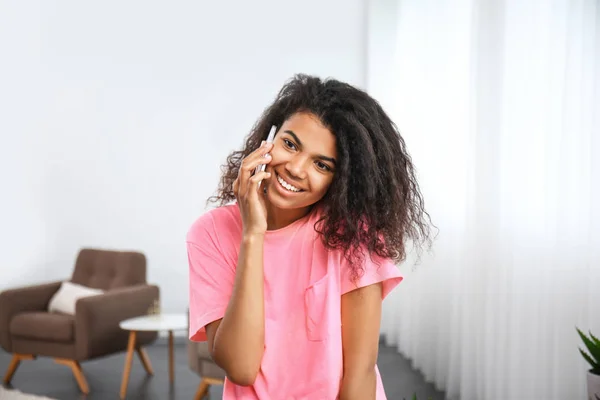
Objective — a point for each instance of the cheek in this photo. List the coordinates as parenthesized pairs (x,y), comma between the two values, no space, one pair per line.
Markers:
(321,183)
(278,156)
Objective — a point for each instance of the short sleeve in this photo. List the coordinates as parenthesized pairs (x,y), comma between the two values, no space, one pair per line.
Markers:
(211,278)
(376,269)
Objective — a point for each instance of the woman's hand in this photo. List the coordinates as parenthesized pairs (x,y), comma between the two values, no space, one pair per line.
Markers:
(247,191)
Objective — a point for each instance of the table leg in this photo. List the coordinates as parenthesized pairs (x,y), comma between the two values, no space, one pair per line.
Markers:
(128,360)
(171,359)
(145,360)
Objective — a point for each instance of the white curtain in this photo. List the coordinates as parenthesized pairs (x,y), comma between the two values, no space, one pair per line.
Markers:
(499,102)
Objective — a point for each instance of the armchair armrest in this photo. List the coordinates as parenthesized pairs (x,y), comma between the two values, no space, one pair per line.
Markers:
(97,319)
(18,300)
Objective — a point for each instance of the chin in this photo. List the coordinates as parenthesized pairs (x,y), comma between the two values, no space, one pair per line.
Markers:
(286,204)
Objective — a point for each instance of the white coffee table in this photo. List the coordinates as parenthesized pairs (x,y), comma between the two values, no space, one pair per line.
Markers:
(152,323)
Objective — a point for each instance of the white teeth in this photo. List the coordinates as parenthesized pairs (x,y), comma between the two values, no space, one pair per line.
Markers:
(287,185)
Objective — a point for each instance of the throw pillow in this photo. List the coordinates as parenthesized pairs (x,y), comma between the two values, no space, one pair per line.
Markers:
(65,298)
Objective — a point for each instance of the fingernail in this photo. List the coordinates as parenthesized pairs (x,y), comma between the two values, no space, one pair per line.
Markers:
(268,155)
(263,143)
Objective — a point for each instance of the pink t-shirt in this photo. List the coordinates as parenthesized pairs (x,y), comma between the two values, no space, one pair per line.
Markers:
(302,288)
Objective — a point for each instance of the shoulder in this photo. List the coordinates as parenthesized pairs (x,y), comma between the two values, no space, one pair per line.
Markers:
(219,222)
(368,270)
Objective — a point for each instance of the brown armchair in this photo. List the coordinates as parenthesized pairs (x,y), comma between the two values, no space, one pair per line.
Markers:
(28,330)
(200,361)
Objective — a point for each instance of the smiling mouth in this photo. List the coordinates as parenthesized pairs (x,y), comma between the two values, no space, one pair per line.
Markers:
(287,186)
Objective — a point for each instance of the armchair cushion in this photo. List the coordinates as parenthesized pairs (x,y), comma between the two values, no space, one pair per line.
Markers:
(15,301)
(107,269)
(200,361)
(65,298)
(209,369)
(202,351)
(44,326)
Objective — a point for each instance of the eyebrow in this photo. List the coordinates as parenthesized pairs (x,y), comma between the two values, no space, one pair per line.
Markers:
(319,156)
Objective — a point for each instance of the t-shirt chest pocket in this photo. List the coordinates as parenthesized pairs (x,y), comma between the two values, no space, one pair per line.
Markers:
(316,305)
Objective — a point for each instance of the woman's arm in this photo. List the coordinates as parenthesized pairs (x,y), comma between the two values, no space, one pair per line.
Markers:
(236,341)
(361,318)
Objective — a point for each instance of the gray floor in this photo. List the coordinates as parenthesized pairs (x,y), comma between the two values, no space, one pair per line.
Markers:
(44,377)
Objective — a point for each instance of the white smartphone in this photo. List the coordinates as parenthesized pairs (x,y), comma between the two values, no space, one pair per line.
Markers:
(270,139)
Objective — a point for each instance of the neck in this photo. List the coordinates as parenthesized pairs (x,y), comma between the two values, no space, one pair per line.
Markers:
(278,218)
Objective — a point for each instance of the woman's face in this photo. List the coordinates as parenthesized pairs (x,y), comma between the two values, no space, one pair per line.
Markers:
(303,162)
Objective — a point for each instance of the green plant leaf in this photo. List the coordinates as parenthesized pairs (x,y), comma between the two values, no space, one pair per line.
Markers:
(414,396)
(592,347)
(589,359)
(595,339)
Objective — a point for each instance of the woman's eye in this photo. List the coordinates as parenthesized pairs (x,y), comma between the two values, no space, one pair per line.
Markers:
(289,144)
(323,166)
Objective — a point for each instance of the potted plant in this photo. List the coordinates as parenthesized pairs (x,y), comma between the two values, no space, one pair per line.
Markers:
(592,356)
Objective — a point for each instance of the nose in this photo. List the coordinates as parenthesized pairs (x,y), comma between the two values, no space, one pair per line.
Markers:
(296,168)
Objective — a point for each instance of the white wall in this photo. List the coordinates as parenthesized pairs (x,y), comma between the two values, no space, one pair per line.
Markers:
(382,21)
(115,116)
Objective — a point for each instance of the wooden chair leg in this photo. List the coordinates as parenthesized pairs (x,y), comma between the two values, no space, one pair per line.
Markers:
(205,385)
(14,364)
(202,390)
(77,372)
(145,360)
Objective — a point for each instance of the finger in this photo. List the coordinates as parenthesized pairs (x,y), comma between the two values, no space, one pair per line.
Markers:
(253,160)
(236,185)
(261,162)
(253,184)
(251,163)
(249,170)
(256,157)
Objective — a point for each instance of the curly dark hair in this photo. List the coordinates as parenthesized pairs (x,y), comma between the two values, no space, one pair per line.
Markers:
(374,203)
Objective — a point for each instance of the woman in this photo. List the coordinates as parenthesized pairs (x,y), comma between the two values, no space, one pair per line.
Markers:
(286,285)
